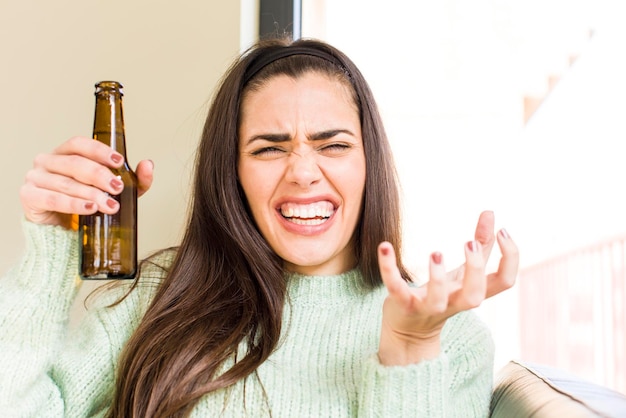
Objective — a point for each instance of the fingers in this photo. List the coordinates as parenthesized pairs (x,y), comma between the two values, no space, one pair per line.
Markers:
(435,299)
(144,172)
(58,193)
(90,149)
(474,280)
(467,285)
(437,296)
(76,178)
(416,314)
(484,232)
(86,161)
(387,263)
(64,173)
(505,276)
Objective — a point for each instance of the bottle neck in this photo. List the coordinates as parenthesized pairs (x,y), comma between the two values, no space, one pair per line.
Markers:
(108,126)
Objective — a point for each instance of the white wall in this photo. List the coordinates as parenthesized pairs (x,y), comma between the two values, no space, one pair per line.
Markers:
(168,55)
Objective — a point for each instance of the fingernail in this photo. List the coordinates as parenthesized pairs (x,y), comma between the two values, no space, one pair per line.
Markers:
(384,250)
(116,158)
(112,203)
(504,234)
(89,205)
(473,246)
(436,257)
(116,183)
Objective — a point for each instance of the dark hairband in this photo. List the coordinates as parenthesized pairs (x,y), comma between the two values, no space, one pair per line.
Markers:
(283,52)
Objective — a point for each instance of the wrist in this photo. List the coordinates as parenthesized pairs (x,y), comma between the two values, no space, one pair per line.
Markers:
(402,351)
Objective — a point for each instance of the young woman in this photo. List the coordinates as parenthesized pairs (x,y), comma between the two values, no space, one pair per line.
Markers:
(287,296)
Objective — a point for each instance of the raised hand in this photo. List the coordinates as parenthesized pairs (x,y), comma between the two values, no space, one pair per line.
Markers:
(76,178)
(413,317)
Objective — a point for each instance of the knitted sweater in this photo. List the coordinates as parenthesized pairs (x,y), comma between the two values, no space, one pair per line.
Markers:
(325,366)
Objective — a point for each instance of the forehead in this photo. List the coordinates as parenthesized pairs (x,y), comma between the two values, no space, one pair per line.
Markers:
(330,75)
(312,94)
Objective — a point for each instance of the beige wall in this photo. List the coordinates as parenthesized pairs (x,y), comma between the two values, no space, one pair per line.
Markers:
(168,55)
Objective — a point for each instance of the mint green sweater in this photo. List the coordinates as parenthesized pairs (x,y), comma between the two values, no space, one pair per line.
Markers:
(326,365)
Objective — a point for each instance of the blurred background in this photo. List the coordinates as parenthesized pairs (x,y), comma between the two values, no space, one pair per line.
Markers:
(508,105)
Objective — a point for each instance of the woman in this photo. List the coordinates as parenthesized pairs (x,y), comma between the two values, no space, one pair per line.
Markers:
(287,295)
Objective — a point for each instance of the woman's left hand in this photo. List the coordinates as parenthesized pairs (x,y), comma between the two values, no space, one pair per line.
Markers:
(413,317)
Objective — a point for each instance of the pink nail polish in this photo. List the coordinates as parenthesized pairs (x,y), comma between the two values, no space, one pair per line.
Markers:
(116,158)
(436,257)
(117,184)
(89,205)
(112,203)
(504,234)
(384,251)
(473,246)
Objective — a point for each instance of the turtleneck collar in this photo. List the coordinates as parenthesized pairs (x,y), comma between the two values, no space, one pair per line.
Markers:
(326,289)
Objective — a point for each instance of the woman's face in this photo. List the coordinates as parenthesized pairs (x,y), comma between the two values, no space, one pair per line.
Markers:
(302,168)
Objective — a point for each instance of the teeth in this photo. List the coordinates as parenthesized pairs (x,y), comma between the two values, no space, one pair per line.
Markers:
(311,214)
(307,221)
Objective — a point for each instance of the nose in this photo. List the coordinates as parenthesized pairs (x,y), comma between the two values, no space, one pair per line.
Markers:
(303,168)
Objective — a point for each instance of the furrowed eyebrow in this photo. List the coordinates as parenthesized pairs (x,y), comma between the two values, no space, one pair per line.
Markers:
(329,134)
(269,137)
(317,136)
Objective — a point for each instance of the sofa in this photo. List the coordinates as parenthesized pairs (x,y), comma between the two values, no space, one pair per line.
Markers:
(525,390)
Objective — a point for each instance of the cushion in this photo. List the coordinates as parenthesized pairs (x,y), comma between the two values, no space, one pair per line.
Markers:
(532,390)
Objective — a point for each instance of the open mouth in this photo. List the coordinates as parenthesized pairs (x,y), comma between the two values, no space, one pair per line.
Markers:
(307,214)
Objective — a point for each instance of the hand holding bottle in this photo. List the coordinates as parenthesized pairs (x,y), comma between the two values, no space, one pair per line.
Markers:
(76,178)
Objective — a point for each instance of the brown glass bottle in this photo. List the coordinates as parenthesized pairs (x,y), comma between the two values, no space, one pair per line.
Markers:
(108,243)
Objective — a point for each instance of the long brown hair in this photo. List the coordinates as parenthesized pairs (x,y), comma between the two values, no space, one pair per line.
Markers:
(226,285)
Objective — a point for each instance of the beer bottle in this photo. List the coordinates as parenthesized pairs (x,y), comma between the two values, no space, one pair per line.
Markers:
(108,243)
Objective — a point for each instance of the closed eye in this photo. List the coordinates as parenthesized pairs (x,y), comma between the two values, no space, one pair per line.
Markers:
(267,152)
(335,148)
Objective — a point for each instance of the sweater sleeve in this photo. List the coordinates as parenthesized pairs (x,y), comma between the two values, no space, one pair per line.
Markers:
(46,369)
(457,383)
(35,300)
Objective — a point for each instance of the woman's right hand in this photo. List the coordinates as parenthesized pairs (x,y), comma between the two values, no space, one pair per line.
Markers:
(76,178)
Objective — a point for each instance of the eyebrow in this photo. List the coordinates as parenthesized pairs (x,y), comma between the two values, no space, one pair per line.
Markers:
(317,136)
